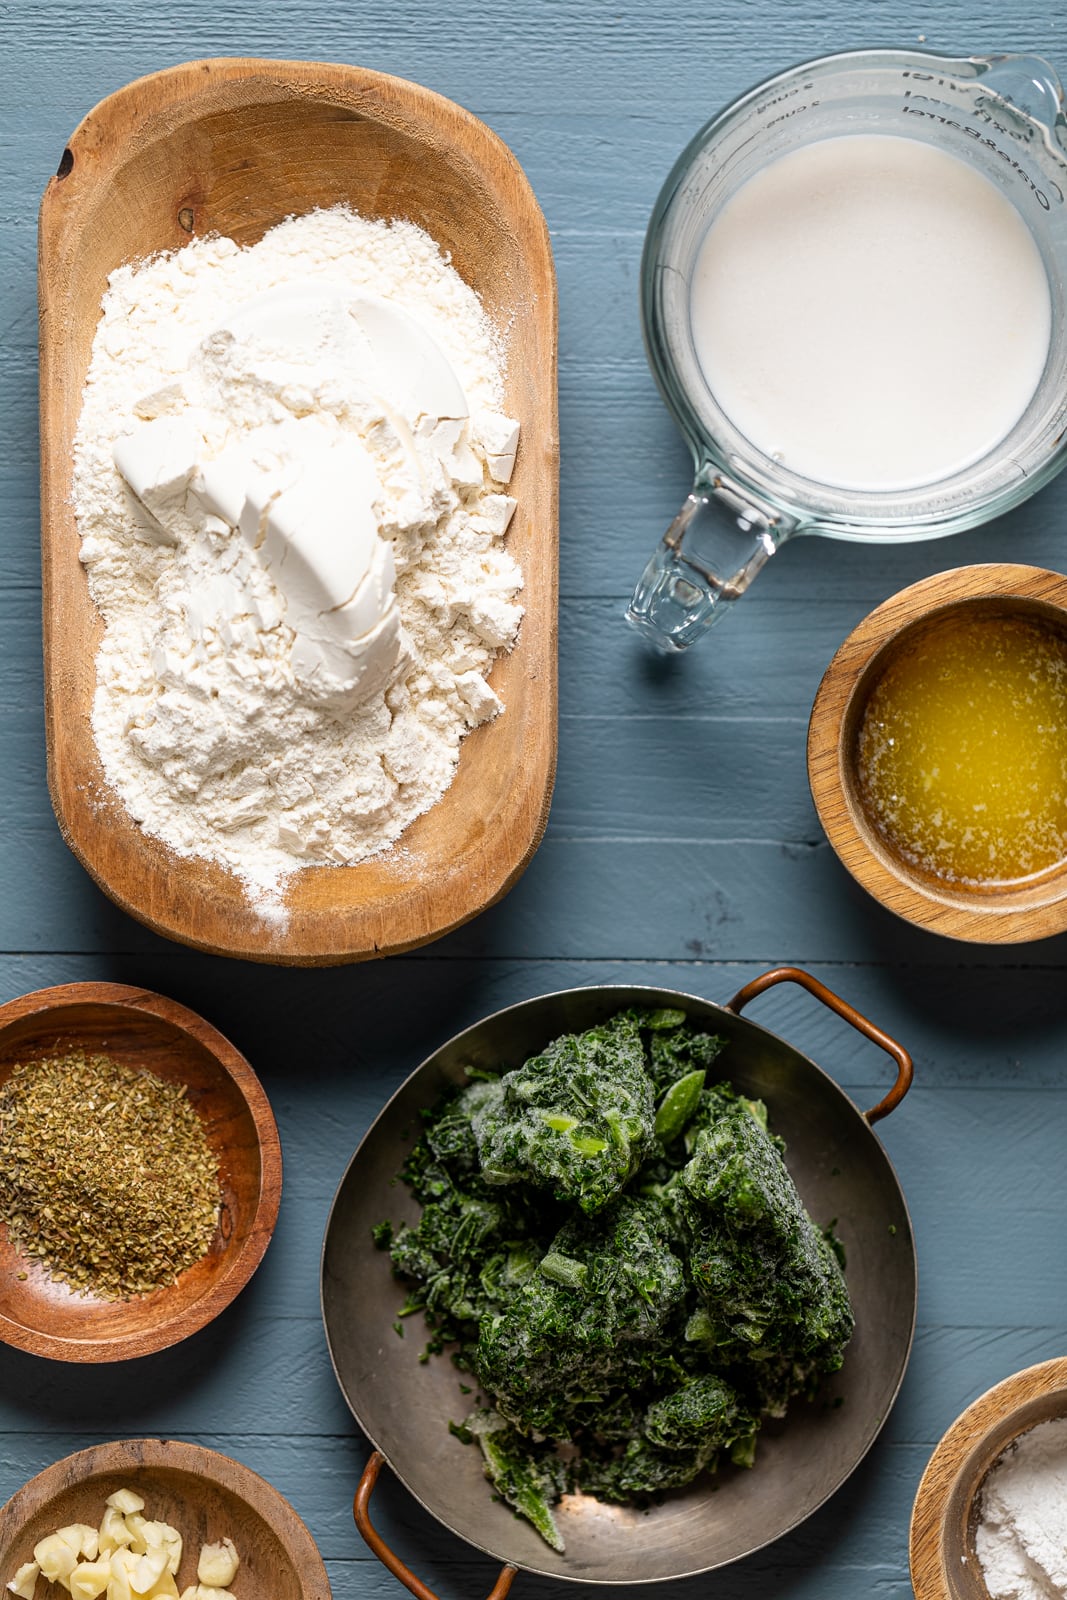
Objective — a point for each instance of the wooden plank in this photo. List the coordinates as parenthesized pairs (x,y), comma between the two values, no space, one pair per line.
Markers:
(858,1544)
(349,1031)
(623,58)
(678,899)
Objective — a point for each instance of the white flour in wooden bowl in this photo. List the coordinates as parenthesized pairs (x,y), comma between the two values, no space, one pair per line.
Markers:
(249,708)
(1021,1538)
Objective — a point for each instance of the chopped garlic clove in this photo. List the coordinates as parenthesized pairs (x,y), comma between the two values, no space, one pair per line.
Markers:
(172,1544)
(136,1525)
(25,1580)
(81,1538)
(148,1571)
(114,1532)
(218,1564)
(158,1536)
(89,1579)
(164,1588)
(122,1563)
(125,1500)
(204,1592)
(56,1559)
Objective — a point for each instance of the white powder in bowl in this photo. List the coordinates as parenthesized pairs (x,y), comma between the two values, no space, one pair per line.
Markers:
(1021,1538)
(208,733)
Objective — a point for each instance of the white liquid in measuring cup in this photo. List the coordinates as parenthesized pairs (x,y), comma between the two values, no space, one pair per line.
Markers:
(872,312)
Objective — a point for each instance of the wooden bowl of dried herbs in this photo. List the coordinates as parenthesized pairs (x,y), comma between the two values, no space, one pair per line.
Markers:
(140,1172)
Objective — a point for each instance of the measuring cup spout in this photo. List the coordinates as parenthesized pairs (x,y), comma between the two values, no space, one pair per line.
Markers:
(707,558)
(1027,84)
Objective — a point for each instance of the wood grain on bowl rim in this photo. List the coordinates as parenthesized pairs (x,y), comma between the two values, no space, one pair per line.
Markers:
(941,1539)
(995,914)
(46,1318)
(234,146)
(230,1498)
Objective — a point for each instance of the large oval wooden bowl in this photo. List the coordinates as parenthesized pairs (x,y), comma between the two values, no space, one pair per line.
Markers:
(234,146)
(944,1564)
(206,1496)
(1007,913)
(144,1030)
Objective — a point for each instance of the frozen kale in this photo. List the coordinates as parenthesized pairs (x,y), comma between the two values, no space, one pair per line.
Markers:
(473,1245)
(677,1437)
(616,1252)
(676,1050)
(599,1316)
(530,1477)
(577,1119)
(771,1292)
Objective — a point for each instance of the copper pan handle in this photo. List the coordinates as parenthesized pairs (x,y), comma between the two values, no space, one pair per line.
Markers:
(854,1018)
(388,1557)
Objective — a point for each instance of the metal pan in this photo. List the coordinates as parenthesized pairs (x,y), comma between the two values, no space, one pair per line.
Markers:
(403,1406)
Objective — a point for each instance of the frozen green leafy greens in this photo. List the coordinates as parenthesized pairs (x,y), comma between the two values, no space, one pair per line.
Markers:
(615,1249)
(577,1119)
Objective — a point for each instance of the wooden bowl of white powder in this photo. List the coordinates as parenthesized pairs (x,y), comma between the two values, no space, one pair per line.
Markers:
(990,1515)
(210,764)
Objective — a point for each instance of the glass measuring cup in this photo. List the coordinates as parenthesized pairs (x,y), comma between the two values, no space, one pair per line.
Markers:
(1004,116)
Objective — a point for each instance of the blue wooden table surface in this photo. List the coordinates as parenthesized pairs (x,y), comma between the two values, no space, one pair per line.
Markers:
(682,848)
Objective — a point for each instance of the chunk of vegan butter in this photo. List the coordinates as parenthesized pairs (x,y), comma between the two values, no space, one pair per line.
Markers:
(388,348)
(158,460)
(406,362)
(319,541)
(306,501)
(499,438)
(320,532)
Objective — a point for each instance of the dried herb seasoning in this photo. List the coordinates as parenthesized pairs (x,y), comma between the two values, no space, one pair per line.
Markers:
(106,1174)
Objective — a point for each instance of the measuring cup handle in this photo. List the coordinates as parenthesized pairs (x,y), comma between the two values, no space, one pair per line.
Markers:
(387,1556)
(707,558)
(1027,84)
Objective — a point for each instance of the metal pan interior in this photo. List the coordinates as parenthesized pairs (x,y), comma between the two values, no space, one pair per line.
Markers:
(403,1406)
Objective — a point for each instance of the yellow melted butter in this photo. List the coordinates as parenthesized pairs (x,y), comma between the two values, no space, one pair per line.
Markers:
(962,750)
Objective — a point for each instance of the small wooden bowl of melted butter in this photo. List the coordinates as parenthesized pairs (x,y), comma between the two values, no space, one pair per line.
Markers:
(937,753)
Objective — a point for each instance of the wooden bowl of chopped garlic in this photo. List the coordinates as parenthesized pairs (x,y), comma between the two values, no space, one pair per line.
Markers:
(990,1515)
(156,1519)
(140,1172)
